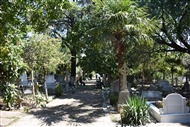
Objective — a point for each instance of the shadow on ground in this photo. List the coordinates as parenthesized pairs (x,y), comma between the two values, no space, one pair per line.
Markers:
(82,107)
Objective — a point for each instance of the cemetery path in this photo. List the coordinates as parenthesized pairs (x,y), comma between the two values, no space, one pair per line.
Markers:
(83,108)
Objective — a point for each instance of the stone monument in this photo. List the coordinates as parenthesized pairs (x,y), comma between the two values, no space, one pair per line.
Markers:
(124,93)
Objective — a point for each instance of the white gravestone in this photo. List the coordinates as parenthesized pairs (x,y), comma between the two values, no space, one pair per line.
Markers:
(174,103)
(124,93)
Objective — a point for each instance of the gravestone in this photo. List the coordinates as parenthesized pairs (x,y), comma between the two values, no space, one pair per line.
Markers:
(50,83)
(174,103)
(105,97)
(165,86)
(114,87)
(151,95)
(24,80)
(60,79)
(124,93)
(186,84)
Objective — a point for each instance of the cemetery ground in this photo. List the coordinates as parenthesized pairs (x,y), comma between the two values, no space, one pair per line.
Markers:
(84,108)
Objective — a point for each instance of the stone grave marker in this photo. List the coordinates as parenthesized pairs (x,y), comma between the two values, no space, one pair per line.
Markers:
(124,71)
(174,103)
(165,86)
(114,87)
(24,80)
(124,93)
(50,83)
(152,95)
(60,79)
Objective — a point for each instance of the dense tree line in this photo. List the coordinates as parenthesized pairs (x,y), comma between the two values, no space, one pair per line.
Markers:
(106,32)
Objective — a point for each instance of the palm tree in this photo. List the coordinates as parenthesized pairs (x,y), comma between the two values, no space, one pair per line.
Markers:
(122,23)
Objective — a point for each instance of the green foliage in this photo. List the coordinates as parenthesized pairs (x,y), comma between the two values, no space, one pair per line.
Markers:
(120,22)
(43,51)
(41,100)
(11,65)
(113,100)
(17,17)
(11,94)
(134,85)
(135,112)
(26,109)
(174,23)
(58,90)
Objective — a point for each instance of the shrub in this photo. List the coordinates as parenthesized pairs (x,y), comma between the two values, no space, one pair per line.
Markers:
(135,112)
(58,90)
(10,94)
(113,100)
(41,100)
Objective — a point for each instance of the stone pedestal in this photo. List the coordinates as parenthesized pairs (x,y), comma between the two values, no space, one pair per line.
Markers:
(123,96)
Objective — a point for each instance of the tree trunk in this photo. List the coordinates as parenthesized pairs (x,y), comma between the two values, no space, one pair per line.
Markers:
(45,85)
(73,66)
(33,92)
(119,64)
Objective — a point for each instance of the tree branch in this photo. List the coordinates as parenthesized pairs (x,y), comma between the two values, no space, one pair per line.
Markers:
(62,38)
(172,45)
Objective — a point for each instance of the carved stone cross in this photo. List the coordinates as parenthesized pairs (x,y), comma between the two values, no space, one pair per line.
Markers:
(124,71)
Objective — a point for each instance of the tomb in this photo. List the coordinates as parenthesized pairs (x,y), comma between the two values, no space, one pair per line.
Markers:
(174,110)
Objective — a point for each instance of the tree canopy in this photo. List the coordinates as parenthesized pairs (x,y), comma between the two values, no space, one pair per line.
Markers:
(16,19)
(174,19)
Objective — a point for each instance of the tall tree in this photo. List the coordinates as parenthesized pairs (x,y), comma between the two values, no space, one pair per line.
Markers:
(70,31)
(123,23)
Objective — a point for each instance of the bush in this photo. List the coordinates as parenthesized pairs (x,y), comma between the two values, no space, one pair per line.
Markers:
(113,100)
(10,94)
(41,100)
(58,90)
(134,85)
(135,112)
